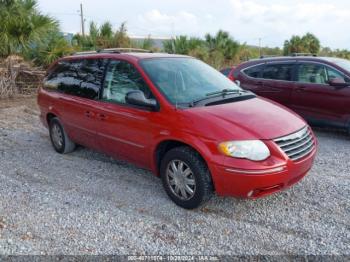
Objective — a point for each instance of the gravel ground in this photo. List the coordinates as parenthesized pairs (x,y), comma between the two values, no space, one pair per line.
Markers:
(88,203)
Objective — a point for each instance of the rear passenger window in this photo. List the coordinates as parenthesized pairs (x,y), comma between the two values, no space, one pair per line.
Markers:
(121,78)
(278,72)
(70,81)
(91,76)
(81,78)
(253,71)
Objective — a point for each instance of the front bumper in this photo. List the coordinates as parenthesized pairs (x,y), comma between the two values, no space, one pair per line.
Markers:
(251,183)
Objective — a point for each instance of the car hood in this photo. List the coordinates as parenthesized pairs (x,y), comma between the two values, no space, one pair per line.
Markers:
(256,118)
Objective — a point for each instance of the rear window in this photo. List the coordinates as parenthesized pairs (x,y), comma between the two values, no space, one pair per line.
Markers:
(226,71)
(81,78)
(254,71)
(278,72)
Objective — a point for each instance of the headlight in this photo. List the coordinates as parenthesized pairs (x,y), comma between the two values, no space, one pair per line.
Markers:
(254,150)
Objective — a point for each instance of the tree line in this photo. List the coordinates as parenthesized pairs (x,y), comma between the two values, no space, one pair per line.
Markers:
(35,36)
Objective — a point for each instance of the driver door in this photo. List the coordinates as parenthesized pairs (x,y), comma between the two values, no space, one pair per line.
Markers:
(125,131)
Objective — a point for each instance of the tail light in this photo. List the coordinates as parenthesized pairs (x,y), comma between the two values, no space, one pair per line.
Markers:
(231,77)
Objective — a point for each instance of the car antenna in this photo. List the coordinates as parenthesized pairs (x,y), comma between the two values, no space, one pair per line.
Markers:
(176,91)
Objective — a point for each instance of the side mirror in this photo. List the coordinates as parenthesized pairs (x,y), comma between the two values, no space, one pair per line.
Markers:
(338,82)
(237,82)
(137,98)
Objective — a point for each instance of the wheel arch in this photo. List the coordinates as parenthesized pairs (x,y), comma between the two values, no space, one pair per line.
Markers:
(170,143)
(49,117)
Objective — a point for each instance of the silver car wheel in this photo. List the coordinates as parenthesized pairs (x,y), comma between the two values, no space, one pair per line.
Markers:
(180,179)
(57,136)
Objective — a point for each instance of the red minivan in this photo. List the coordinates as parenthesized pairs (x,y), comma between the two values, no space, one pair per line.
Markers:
(179,118)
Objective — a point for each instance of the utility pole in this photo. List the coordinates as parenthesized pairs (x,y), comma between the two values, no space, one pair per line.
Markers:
(82,20)
(172,30)
(260,53)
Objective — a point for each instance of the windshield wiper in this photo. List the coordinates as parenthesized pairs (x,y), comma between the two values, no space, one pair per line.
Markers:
(222,93)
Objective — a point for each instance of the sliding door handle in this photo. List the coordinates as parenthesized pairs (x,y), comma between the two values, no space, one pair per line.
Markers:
(89,114)
(300,88)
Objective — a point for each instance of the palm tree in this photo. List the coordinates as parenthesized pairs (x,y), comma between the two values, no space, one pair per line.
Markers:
(311,42)
(106,30)
(22,26)
(148,43)
(54,47)
(105,39)
(177,45)
(121,38)
(306,44)
(224,46)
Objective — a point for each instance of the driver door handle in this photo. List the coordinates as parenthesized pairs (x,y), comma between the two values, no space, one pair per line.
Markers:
(102,117)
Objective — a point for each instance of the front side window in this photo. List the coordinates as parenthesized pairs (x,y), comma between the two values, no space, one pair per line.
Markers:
(121,78)
(278,72)
(183,80)
(254,71)
(334,74)
(312,73)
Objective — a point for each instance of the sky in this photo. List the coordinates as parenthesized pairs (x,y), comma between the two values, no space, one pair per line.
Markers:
(246,20)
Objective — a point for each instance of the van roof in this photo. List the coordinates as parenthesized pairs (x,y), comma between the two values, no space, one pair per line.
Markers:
(132,55)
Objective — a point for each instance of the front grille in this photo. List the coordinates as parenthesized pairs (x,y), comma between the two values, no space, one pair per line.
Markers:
(297,145)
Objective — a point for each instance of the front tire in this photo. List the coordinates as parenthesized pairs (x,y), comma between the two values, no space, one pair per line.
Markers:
(59,138)
(186,177)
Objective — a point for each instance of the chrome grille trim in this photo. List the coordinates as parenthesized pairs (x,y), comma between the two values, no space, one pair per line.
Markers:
(297,145)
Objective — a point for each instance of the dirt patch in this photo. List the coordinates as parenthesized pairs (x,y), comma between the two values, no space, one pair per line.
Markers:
(29,101)
(19,113)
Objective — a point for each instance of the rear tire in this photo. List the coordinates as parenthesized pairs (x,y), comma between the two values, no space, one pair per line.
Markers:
(186,177)
(59,138)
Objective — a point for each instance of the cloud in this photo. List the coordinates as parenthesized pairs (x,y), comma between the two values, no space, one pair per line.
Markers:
(288,12)
(168,24)
(282,19)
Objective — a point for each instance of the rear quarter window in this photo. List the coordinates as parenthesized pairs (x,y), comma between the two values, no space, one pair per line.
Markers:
(81,77)
(253,71)
(226,71)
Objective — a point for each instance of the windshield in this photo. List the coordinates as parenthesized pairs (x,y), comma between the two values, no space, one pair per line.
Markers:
(183,80)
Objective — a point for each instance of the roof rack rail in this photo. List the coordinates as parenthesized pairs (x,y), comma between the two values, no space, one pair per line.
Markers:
(302,54)
(268,56)
(84,53)
(123,50)
(113,51)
